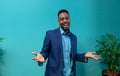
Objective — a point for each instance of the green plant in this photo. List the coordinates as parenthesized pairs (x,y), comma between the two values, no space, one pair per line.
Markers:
(1,50)
(109,49)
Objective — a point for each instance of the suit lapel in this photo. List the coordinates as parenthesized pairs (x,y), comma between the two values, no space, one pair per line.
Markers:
(59,39)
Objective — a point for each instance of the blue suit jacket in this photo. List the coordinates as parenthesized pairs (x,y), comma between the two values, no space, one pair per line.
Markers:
(53,50)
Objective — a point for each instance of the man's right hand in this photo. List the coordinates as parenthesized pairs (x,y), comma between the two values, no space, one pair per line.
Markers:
(38,58)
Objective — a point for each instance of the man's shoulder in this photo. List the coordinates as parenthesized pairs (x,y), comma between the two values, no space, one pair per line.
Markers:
(72,34)
(53,30)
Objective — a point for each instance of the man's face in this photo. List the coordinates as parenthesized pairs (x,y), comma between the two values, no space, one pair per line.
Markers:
(64,21)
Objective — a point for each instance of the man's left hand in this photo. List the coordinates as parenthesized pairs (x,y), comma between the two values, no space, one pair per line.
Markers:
(92,55)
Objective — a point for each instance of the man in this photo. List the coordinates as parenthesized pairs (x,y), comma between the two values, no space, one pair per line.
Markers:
(60,47)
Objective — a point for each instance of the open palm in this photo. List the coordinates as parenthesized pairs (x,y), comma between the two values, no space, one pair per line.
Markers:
(92,55)
(38,58)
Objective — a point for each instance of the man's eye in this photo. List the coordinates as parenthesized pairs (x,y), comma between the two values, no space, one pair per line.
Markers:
(67,18)
(61,18)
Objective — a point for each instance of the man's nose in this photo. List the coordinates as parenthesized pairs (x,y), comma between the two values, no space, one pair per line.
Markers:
(65,20)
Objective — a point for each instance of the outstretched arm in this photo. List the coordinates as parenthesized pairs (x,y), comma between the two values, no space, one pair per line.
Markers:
(41,57)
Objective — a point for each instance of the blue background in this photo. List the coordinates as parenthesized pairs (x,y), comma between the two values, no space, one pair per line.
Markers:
(23,24)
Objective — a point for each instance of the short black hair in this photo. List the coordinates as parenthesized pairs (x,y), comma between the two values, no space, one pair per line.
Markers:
(63,10)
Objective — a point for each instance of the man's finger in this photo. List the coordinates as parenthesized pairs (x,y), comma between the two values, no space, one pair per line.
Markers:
(34,53)
(93,52)
(97,57)
(33,59)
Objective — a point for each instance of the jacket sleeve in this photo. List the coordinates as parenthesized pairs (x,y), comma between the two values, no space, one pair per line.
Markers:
(46,47)
(81,57)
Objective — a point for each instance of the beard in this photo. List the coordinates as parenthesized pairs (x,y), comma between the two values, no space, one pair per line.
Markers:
(65,28)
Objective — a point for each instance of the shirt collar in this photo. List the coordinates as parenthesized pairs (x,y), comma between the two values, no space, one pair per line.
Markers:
(62,32)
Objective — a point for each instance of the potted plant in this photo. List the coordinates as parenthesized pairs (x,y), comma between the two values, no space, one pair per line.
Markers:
(109,50)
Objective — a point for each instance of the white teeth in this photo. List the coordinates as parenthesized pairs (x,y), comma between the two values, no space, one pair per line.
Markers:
(66,24)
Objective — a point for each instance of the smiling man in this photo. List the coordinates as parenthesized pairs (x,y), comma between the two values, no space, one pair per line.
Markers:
(60,48)
(64,20)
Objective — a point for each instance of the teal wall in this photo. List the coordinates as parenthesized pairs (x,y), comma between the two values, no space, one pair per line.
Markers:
(23,24)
